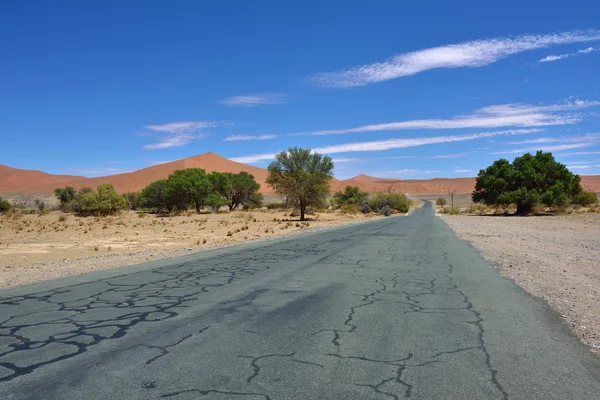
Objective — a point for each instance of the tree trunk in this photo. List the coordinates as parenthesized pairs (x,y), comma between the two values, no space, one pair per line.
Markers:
(523,209)
(302,213)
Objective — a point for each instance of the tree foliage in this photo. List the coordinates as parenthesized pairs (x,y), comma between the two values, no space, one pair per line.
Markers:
(243,190)
(302,177)
(157,196)
(385,202)
(65,195)
(441,201)
(527,181)
(586,198)
(105,201)
(350,195)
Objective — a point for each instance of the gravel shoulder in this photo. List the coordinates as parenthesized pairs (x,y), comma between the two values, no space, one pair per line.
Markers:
(555,257)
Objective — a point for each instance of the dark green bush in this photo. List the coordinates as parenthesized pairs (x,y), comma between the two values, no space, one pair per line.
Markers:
(586,198)
(350,195)
(441,201)
(103,202)
(4,205)
(350,209)
(395,201)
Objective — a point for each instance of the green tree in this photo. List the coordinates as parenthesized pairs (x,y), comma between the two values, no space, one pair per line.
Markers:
(132,199)
(441,201)
(157,196)
(385,202)
(103,202)
(243,190)
(586,198)
(350,195)
(65,195)
(191,185)
(527,181)
(302,176)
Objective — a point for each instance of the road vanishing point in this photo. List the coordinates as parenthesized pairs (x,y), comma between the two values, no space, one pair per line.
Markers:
(389,309)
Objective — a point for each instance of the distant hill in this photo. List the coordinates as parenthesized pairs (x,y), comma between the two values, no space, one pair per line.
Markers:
(19,180)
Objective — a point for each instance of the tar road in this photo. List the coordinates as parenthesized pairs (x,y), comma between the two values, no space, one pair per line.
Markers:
(389,309)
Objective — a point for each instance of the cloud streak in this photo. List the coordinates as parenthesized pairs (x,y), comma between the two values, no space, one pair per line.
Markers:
(179,133)
(496,116)
(381,145)
(470,54)
(254,100)
(234,138)
(557,57)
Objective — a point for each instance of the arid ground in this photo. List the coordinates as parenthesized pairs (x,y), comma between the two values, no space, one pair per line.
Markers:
(35,248)
(554,257)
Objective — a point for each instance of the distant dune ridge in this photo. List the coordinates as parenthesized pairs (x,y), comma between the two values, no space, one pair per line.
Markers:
(19,180)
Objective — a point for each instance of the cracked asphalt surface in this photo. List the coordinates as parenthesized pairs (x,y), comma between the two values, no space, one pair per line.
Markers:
(389,309)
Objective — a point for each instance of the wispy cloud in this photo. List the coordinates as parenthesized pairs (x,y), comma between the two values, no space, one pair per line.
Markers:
(390,144)
(557,57)
(408,173)
(463,171)
(558,147)
(98,171)
(580,153)
(248,137)
(179,133)
(254,100)
(589,137)
(496,116)
(471,54)
(369,159)
(579,166)
(458,155)
(159,162)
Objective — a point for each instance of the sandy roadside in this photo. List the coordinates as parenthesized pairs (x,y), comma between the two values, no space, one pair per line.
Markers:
(556,258)
(40,248)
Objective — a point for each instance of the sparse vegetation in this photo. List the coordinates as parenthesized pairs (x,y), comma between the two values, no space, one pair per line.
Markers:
(103,202)
(441,201)
(350,209)
(350,195)
(585,199)
(302,177)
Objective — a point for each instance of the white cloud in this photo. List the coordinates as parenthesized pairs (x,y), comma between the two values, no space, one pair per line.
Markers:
(476,53)
(590,137)
(463,170)
(554,58)
(98,171)
(368,159)
(159,162)
(254,100)
(579,166)
(179,133)
(580,153)
(496,116)
(390,144)
(559,147)
(567,55)
(459,155)
(248,137)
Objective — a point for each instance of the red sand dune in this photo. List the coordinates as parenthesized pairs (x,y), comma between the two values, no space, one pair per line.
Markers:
(17,180)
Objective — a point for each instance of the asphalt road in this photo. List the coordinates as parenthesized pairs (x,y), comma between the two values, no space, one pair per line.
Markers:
(390,309)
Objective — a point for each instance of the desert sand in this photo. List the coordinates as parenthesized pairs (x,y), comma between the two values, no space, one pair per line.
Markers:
(35,248)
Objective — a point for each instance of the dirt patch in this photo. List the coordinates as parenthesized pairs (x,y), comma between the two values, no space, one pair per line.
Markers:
(37,248)
(555,257)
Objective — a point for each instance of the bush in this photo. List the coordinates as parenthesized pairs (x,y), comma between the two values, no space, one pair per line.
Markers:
(364,207)
(275,206)
(450,210)
(395,201)
(350,195)
(385,210)
(4,205)
(103,202)
(586,198)
(350,209)
(441,201)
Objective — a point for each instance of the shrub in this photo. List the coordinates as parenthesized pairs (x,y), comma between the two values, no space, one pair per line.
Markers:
(385,210)
(450,210)
(350,209)
(586,198)
(4,205)
(103,202)
(441,201)
(350,195)
(65,195)
(365,208)
(395,201)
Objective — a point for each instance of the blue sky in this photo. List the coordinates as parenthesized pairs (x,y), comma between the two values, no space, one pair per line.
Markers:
(386,88)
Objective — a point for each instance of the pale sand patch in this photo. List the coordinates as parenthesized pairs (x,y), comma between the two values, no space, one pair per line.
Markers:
(38,248)
(555,257)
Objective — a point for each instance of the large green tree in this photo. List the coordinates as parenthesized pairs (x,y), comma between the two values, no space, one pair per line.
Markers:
(527,181)
(156,195)
(243,189)
(302,176)
(192,186)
